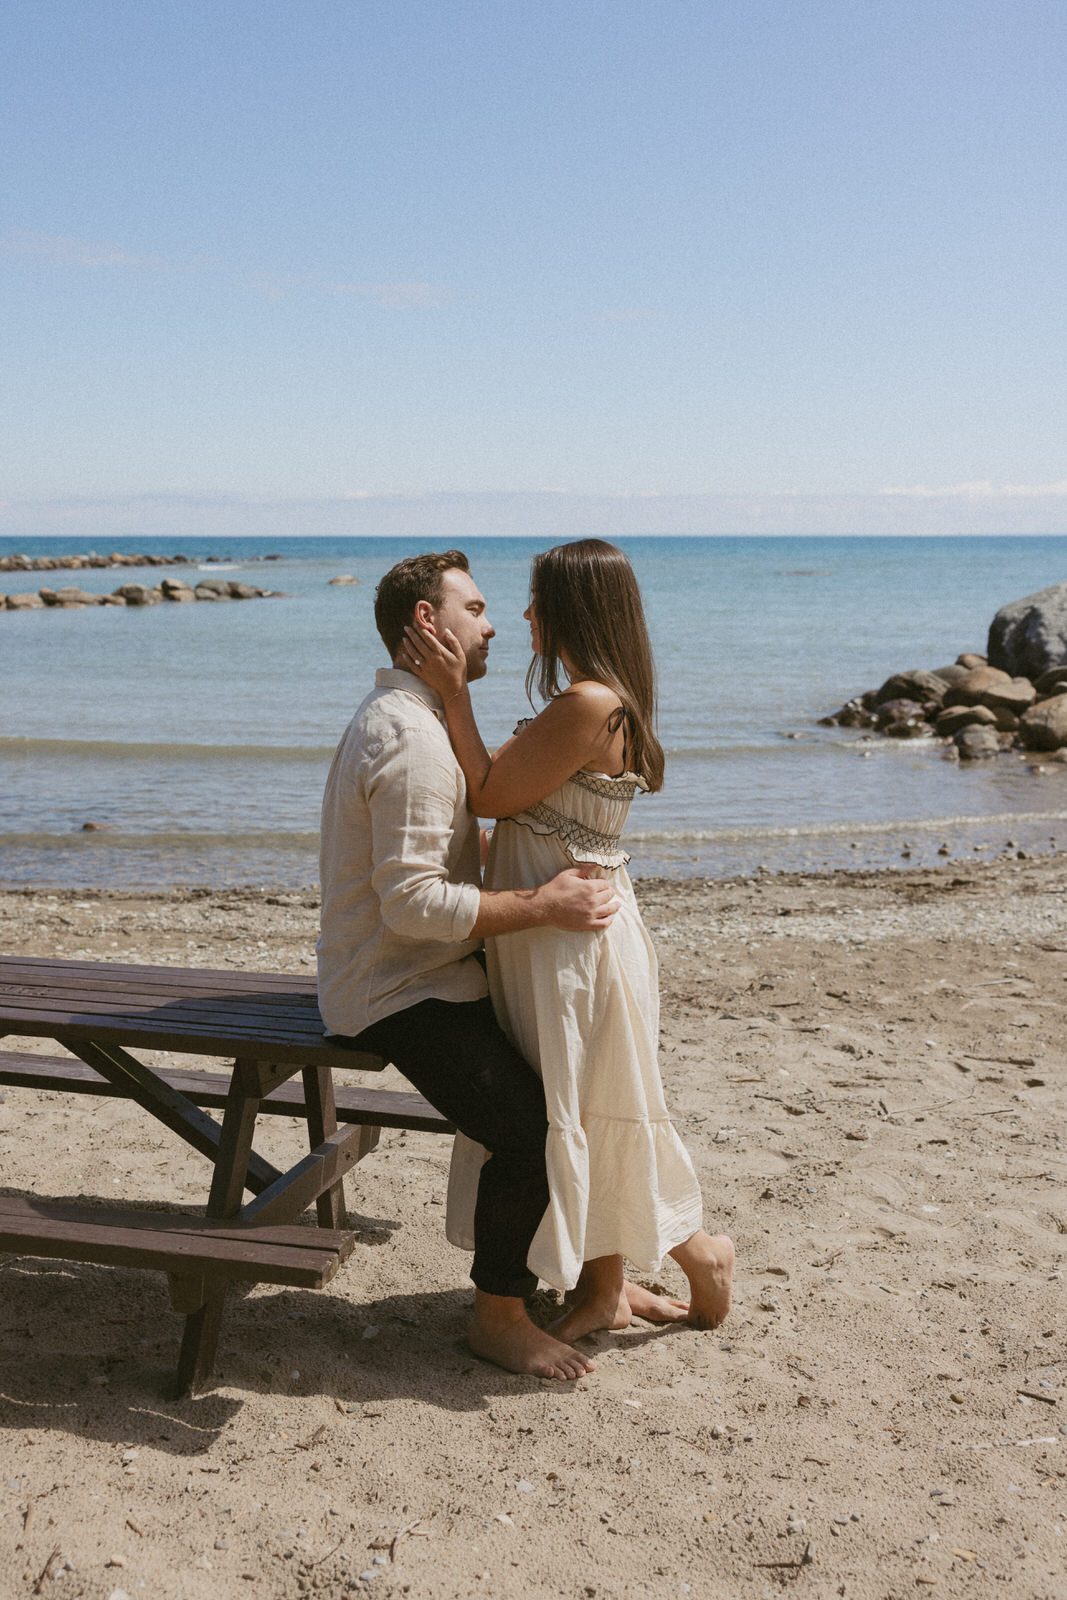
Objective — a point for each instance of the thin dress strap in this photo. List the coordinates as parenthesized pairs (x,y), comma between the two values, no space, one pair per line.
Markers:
(620,718)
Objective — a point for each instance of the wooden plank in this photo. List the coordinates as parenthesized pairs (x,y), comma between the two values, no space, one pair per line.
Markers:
(220,1041)
(184,987)
(235,1152)
(303,1183)
(388,1108)
(322,1121)
(300,982)
(111,1244)
(225,1011)
(292,1234)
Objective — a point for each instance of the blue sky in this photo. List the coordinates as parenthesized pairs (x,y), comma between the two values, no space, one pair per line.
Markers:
(766,260)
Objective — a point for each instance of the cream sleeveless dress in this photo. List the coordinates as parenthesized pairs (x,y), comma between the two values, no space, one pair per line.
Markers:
(583,1008)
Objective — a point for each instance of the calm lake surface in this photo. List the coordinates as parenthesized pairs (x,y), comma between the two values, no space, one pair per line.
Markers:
(200,735)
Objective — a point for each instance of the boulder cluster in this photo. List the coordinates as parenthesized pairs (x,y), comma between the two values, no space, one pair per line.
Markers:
(21,563)
(977,709)
(137,594)
(1014,697)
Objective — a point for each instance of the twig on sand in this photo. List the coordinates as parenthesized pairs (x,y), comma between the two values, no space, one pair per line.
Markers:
(46,1571)
(804,1560)
(407,1529)
(328,1554)
(1032,1394)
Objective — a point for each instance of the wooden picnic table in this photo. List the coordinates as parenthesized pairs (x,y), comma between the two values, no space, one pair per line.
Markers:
(268,1029)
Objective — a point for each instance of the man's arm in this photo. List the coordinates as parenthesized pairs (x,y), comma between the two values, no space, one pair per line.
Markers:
(573,900)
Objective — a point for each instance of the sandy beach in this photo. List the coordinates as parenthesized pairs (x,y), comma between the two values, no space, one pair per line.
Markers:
(869,1072)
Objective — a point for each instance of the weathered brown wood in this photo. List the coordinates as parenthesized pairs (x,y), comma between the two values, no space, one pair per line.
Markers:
(299,1236)
(187,1292)
(269,1025)
(189,1251)
(153,1033)
(322,1121)
(76,988)
(303,1183)
(38,966)
(235,1153)
(200,1339)
(388,1108)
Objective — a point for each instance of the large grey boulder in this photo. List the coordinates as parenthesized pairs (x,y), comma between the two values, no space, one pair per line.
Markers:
(1030,635)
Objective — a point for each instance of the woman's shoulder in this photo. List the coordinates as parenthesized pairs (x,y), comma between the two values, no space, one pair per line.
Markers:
(593,696)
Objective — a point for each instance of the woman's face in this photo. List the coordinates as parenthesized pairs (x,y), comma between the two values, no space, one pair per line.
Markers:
(535,633)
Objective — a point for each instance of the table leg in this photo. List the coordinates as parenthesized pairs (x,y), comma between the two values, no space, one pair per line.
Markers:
(202,1326)
(199,1342)
(322,1121)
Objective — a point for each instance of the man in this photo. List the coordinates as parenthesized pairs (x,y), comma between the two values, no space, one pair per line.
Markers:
(403,915)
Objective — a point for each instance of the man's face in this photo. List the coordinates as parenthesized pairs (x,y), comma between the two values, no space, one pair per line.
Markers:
(462,609)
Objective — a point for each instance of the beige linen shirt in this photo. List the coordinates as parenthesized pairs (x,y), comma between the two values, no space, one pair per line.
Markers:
(398,863)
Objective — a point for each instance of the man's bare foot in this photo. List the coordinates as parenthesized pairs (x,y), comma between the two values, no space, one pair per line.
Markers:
(654,1307)
(500,1331)
(708,1263)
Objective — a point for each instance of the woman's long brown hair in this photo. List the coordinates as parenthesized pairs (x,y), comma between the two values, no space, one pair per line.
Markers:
(588,607)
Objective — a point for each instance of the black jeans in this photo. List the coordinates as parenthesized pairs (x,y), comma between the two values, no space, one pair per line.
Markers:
(457,1056)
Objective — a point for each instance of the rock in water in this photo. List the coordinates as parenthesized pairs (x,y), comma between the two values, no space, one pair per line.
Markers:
(1029,636)
(926,687)
(976,743)
(1044,726)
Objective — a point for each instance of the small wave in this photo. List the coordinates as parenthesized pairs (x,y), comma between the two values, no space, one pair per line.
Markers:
(137,750)
(840,830)
(176,840)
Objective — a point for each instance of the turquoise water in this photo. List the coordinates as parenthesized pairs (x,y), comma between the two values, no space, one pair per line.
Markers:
(199,736)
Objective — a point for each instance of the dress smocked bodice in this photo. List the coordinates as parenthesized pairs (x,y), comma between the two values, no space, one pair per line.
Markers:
(587,814)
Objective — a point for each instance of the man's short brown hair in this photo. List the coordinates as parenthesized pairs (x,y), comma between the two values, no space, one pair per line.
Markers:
(417,578)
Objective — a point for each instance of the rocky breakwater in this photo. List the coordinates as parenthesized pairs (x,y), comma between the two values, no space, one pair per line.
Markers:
(1012,698)
(174,590)
(21,563)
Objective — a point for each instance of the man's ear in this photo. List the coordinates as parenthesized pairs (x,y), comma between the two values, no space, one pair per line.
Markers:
(424,616)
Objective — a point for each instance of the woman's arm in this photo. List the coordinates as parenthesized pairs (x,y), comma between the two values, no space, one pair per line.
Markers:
(569,733)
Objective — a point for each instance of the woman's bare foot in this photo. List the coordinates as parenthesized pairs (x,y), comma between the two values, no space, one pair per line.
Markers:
(654,1307)
(596,1302)
(500,1331)
(708,1263)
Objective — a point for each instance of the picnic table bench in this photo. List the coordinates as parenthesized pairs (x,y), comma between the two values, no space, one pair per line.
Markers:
(268,1028)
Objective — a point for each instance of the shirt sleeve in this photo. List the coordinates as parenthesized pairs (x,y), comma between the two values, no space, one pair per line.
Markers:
(411,789)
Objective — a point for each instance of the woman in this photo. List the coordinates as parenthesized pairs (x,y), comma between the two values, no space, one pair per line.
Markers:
(584,1007)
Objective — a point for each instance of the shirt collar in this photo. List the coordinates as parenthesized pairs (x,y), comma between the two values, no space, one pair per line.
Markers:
(397,678)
